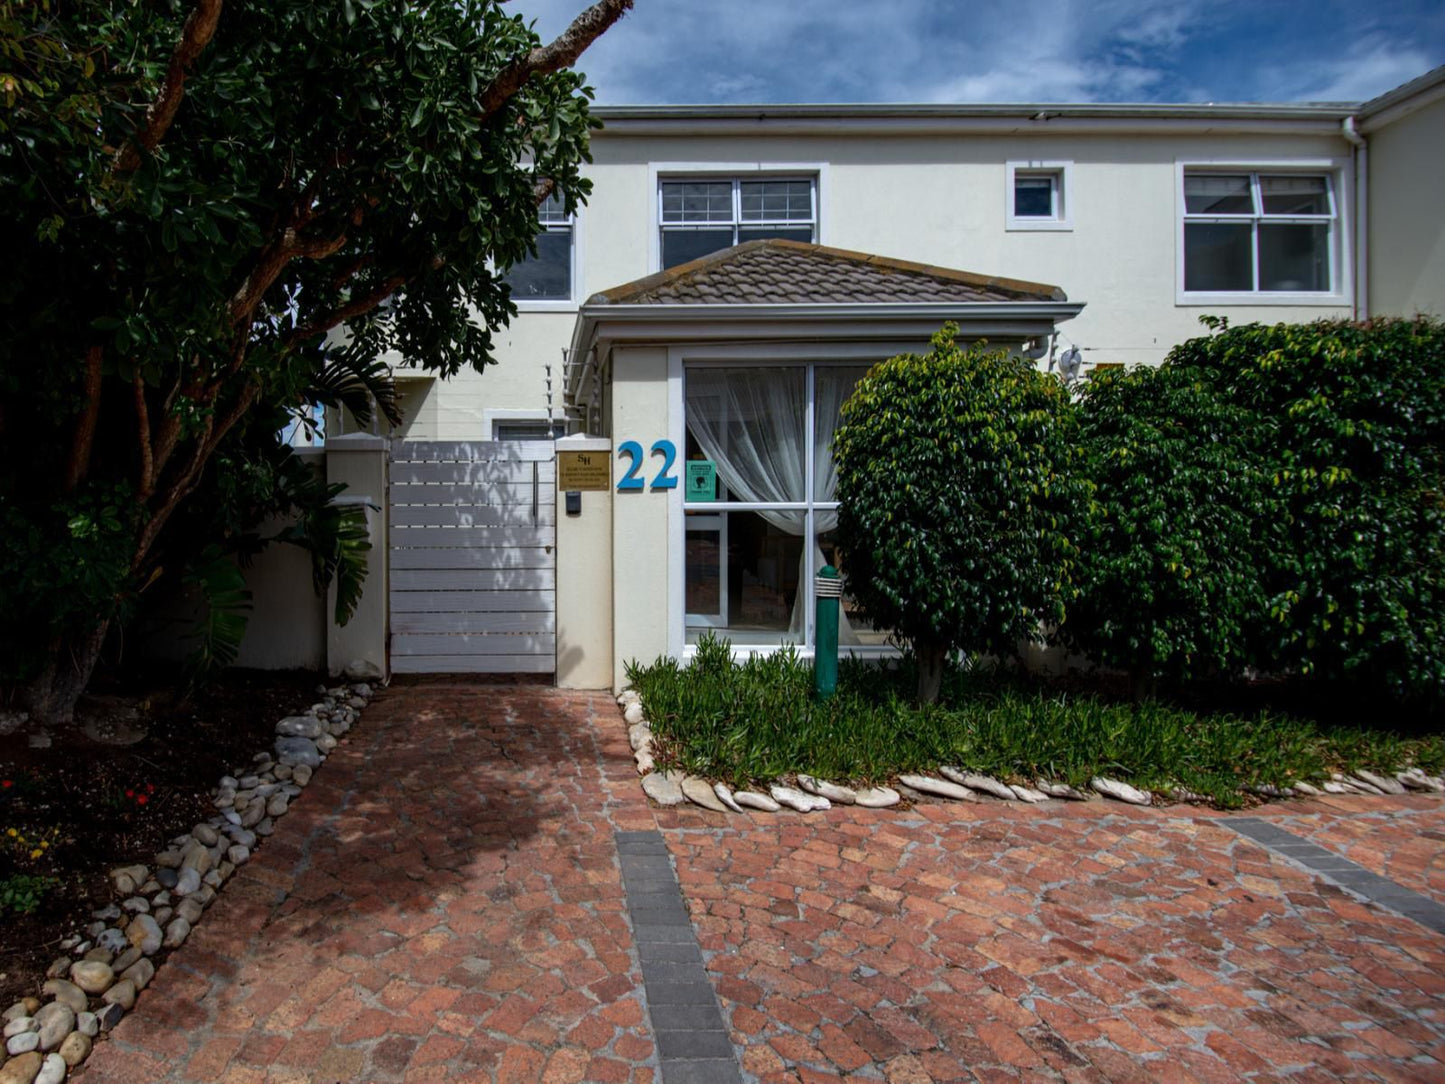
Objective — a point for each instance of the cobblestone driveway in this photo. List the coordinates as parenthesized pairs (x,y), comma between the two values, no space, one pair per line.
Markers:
(445,903)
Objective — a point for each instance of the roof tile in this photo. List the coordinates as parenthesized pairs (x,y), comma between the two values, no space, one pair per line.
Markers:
(780,271)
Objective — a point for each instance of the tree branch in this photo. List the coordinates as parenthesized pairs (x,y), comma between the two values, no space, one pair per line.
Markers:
(84,440)
(562,53)
(143,432)
(200,27)
(352,309)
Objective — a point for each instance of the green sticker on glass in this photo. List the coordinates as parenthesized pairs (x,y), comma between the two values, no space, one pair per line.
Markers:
(701,480)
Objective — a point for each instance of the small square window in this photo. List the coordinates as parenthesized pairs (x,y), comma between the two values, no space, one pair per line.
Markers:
(1038,196)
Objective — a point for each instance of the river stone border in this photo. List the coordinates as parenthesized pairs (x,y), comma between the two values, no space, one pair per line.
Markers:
(807,794)
(156,906)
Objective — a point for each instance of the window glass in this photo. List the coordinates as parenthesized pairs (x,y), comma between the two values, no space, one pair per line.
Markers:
(1294,195)
(546,276)
(683,246)
(763,233)
(1218,256)
(771,201)
(749,421)
(1294,256)
(832,385)
(742,575)
(1033,196)
(1284,245)
(527,430)
(697,201)
(1218,194)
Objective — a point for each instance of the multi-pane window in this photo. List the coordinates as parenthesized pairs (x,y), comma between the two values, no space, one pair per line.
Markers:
(758,533)
(699,217)
(1258,232)
(547,276)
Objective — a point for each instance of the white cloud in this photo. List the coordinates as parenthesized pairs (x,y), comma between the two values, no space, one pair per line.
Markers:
(989,50)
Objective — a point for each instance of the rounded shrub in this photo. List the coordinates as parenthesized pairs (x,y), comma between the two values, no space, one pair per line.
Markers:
(958,488)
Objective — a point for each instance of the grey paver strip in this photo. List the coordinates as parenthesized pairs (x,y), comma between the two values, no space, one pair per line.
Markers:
(692,1042)
(1350,875)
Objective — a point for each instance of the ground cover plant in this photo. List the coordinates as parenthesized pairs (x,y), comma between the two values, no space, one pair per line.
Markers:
(756,720)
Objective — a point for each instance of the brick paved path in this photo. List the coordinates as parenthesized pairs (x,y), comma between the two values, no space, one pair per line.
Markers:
(445,902)
(1084,942)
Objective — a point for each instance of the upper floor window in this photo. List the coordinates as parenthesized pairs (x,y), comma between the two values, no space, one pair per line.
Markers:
(699,217)
(1038,196)
(1264,232)
(547,276)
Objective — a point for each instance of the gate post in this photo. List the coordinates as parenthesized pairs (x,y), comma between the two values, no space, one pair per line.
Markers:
(359,647)
(584,563)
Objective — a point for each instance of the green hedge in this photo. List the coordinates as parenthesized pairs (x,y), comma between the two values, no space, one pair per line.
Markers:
(1273,497)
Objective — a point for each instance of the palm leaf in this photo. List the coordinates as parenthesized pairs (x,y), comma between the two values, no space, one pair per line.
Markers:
(227,603)
(356,382)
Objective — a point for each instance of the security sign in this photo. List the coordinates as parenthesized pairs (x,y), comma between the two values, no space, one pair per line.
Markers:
(701,480)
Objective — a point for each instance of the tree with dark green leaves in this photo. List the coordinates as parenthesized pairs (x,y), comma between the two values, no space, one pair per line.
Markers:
(215,215)
(959,490)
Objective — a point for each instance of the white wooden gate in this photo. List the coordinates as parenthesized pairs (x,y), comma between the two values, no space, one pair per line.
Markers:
(473,557)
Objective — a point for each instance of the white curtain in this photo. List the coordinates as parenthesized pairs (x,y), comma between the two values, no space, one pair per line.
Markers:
(750,423)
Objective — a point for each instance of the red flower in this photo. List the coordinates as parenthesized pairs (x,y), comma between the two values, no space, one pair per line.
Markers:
(150,788)
(130,794)
(6,784)
(142,799)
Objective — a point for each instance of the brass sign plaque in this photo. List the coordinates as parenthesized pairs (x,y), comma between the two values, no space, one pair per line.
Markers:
(584,470)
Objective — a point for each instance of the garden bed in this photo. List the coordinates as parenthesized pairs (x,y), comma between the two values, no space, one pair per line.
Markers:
(757,721)
(98,802)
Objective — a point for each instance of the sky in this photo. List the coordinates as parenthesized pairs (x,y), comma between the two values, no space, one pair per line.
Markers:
(746,51)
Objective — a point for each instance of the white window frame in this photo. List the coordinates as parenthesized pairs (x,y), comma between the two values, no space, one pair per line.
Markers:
(571,301)
(1062,175)
(658,172)
(1340,220)
(681,357)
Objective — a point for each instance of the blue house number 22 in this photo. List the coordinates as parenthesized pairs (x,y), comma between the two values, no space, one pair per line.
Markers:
(664,479)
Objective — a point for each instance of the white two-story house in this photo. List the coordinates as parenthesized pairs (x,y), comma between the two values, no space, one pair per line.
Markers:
(738,268)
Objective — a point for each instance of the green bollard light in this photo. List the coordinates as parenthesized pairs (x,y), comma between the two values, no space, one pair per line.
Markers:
(828,589)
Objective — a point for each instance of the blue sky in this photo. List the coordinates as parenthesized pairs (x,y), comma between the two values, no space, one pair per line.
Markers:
(692,51)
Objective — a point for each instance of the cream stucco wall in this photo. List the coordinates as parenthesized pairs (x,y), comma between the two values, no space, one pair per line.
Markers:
(584,580)
(936,199)
(1407,214)
(641,583)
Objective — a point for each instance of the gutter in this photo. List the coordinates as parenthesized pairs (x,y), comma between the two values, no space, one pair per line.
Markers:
(1361,155)
(761,121)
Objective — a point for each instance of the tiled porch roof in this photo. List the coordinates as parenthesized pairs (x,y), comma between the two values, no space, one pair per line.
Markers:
(793,272)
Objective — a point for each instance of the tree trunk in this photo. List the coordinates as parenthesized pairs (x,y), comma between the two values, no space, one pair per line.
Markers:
(931,659)
(51,695)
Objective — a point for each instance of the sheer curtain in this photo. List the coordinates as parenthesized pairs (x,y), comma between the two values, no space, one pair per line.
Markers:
(750,423)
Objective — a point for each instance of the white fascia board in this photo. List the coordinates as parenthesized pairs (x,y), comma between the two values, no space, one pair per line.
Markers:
(1326,123)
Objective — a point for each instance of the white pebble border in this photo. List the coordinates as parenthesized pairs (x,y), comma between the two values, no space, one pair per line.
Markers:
(108,964)
(668,788)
